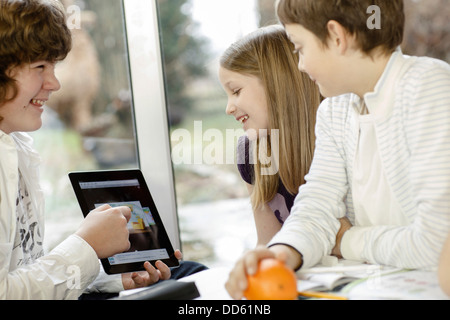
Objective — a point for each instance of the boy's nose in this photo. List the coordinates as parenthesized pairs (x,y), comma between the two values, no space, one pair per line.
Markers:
(51,82)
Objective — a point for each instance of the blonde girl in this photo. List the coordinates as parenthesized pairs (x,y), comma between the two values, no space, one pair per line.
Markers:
(271,98)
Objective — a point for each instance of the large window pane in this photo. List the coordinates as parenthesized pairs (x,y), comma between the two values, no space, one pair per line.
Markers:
(88,124)
(215,217)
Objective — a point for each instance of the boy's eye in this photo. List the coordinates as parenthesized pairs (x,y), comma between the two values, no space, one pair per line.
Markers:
(39,65)
(236,92)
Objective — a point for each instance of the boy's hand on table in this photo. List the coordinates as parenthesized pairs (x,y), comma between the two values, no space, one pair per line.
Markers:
(345,225)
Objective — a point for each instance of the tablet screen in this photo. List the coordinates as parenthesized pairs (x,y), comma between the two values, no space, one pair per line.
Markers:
(148,238)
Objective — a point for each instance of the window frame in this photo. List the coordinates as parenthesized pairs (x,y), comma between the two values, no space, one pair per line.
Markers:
(150,109)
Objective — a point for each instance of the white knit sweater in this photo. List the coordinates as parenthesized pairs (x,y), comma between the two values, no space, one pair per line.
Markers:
(413,138)
(65,272)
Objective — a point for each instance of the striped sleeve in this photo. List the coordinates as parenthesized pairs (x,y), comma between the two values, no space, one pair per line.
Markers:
(312,226)
(423,176)
(415,142)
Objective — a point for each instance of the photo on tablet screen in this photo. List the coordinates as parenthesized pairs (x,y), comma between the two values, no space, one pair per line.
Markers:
(148,238)
(143,230)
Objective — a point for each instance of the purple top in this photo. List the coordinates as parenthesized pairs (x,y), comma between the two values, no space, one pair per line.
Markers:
(282,203)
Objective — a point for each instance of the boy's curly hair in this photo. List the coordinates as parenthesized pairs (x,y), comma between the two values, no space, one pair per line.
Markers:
(30,31)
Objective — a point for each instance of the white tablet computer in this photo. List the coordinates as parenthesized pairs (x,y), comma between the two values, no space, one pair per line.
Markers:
(148,237)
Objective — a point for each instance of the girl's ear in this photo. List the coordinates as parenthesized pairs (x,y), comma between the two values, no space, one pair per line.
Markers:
(338,37)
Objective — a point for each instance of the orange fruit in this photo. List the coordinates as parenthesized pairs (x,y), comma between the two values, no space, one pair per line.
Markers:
(273,281)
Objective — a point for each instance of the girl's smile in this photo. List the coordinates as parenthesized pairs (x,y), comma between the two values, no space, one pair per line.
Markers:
(246,99)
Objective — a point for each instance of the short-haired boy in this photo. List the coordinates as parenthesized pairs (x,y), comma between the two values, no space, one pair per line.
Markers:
(379,187)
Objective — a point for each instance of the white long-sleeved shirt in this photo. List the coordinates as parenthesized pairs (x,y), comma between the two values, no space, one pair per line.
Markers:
(413,138)
(65,272)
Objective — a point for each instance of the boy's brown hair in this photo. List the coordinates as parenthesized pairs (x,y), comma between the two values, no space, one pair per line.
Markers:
(314,15)
(30,31)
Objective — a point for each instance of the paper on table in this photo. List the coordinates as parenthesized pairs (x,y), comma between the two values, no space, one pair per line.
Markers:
(324,278)
(402,285)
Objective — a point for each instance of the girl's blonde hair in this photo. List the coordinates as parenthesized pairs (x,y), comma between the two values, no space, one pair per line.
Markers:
(292,100)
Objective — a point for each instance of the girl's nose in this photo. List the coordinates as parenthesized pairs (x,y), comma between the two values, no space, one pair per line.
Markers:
(230,108)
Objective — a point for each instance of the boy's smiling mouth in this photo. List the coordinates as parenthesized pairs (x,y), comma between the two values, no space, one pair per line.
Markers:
(37,102)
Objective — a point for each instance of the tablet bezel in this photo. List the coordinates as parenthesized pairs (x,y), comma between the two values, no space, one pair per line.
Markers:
(113,175)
